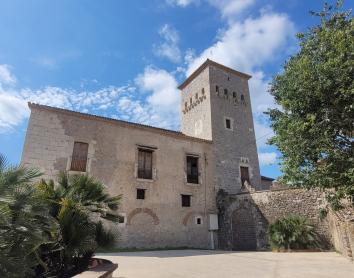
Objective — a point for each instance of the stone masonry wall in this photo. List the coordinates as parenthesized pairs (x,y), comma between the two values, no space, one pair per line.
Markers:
(159,220)
(257,210)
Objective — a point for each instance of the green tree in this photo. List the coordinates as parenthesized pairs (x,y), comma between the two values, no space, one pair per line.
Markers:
(25,224)
(314,124)
(81,205)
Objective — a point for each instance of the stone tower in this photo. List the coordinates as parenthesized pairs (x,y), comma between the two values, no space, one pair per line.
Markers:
(216,105)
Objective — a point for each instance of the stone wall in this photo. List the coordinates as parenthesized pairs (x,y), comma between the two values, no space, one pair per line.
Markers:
(159,220)
(244,218)
(341,226)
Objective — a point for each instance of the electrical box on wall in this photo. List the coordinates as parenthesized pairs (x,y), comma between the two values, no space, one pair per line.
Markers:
(213,222)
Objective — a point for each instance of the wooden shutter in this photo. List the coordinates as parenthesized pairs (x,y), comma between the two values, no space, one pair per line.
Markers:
(79,157)
(144,164)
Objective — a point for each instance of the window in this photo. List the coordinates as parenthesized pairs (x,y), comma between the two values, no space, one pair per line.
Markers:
(185,105)
(228,78)
(226,94)
(244,175)
(196,96)
(190,101)
(198,220)
(217,89)
(140,194)
(192,169)
(186,200)
(121,219)
(242,98)
(145,164)
(234,95)
(79,157)
(203,92)
(228,123)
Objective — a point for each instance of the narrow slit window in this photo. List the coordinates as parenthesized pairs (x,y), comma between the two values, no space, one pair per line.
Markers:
(145,164)
(217,89)
(79,157)
(192,169)
(228,123)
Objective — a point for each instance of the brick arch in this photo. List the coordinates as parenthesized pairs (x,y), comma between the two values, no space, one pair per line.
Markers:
(142,210)
(188,215)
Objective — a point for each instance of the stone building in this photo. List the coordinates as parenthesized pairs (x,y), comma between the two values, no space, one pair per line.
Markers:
(169,180)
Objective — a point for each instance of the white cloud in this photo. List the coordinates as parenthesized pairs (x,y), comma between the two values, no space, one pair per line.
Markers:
(230,8)
(164,95)
(13,110)
(248,44)
(169,47)
(6,77)
(182,3)
(267,158)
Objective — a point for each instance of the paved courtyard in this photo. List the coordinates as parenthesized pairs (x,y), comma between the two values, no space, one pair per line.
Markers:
(223,264)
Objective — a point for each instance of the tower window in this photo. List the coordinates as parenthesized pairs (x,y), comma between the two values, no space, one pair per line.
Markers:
(192,169)
(196,96)
(226,94)
(217,89)
(203,91)
(140,194)
(186,200)
(228,123)
(228,78)
(245,176)
(234,94)
(242,98)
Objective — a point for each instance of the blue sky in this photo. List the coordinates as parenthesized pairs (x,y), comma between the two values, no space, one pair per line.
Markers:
(124,59)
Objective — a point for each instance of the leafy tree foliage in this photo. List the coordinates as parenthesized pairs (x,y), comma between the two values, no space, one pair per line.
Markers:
(314,124)
(292,232)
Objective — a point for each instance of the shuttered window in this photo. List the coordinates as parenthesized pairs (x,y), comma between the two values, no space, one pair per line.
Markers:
(145,164)
(244,175)
(192,169)
(79,157)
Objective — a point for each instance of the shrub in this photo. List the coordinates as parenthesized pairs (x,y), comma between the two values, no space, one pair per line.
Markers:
(292,232)
(81,205)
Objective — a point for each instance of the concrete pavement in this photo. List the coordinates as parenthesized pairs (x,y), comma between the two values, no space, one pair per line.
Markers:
(224,264)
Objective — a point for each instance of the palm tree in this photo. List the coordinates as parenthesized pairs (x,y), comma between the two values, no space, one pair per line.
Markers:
(25,224)
(293,232)
(82,208)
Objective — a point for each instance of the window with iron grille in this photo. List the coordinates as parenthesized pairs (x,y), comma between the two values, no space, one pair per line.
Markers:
(145,164)
(140,194)
(79,157)
(244,175)
(192,169)
(186,200)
